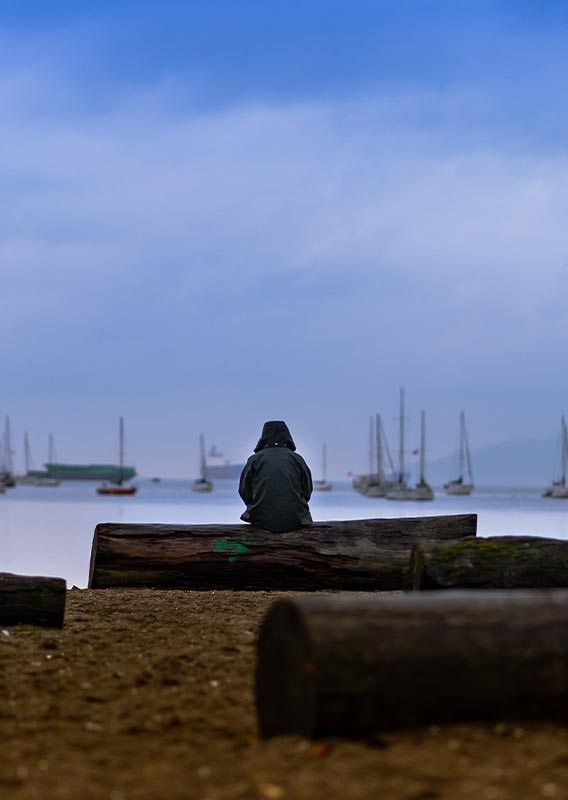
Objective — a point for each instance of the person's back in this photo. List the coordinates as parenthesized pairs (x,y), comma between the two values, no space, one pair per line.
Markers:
(276,483)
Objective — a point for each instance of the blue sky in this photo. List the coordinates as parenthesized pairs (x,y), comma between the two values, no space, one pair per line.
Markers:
(215,213)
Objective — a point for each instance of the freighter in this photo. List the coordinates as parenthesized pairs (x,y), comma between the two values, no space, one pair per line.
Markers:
(85,472)
(220,468)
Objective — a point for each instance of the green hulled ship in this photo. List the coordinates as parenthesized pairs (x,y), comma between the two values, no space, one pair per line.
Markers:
(85,472)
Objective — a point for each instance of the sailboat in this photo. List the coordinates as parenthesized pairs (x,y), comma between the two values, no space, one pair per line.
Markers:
(323,485)
(118,488)
(7,479)
(422,490)
(559,490)
(458,485)
(400,489)
(27,479)
(378,485)
(202,484)
(45,480)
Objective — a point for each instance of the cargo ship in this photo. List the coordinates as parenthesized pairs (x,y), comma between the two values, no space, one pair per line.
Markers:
(84,472)
(220,468)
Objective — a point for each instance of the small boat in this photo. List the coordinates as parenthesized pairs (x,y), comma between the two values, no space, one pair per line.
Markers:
(323,485)
(459,486)
(422,490)
(117,487)
(46,482)
(7,480)
(201,484)
(30,478)
(558,490)
(156,480)
(375,484)
(400,490)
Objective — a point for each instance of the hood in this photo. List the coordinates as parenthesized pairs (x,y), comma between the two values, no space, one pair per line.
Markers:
(275,434)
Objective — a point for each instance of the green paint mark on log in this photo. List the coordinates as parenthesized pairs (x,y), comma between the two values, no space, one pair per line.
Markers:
(233,546)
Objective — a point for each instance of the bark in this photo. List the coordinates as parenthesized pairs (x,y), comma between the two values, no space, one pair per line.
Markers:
(352,666)
(498,562)
(26,600)
(358,554)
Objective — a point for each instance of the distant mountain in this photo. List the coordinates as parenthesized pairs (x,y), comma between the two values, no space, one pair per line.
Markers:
(518,462)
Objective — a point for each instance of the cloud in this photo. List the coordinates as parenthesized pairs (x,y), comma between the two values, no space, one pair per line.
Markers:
(305,228)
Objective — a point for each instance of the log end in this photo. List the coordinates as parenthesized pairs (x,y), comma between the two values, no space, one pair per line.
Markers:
(285,674)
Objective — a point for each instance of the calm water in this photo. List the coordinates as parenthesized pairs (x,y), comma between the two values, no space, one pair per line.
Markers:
(48,531)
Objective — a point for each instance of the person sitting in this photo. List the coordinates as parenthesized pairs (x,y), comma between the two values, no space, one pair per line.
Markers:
(276,483)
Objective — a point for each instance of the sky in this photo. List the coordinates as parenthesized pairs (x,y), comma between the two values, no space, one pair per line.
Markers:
(217,212)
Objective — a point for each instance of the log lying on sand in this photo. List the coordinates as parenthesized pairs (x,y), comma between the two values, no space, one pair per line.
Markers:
(359,555)
(26,600)
(350,666)
(498,562)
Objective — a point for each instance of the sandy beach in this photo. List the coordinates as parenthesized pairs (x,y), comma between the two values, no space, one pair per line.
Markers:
(148,694)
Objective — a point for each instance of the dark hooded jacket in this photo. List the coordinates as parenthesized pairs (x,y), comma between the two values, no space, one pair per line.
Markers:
(276,483)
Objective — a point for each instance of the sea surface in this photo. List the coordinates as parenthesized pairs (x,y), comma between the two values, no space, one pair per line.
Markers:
(49,530)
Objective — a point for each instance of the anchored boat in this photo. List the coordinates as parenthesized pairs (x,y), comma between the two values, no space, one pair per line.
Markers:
(459,486)
(117,487)
(202,484)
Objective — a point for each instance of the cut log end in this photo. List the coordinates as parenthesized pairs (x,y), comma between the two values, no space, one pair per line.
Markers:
(30,600)
(285,675)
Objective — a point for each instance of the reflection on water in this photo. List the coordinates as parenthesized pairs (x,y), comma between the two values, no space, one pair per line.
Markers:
(48,531)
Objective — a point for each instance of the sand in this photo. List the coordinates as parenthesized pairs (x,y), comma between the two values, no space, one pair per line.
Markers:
(148,694)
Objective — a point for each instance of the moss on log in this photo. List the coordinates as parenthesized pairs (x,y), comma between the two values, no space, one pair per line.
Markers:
(496,562)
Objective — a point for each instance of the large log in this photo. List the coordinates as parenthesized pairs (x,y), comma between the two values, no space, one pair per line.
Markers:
(27,600)
(351,666)
(497,562)
(357,554)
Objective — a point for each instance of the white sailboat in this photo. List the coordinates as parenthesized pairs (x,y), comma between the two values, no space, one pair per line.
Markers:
(46,481)
(201,484)
(378,485)
(118,487)
(559,490)
(7,479)
(400,489)
(323,485)
(26,479)
(459,486)
(422,490)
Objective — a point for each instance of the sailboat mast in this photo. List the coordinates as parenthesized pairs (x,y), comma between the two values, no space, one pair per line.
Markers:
(467,453)
(8,446)
(203,462)
(379,447)
(26,454)
(50,450)
(324,462)
(462,426)
(120,447)
(422,444)
(401,439)
(371,447)
(563,433)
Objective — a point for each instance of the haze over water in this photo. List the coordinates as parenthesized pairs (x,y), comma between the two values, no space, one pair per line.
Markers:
(49,531)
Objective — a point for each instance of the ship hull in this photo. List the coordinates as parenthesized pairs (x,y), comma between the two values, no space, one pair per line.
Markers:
(89,472)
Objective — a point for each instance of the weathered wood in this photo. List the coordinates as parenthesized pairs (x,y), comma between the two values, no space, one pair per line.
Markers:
(350,666)
(496,562)
(27,600)
(357,554)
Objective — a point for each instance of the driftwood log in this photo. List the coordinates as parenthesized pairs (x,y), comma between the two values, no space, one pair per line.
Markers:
(497,562)
(359,555)
(26,600)
(351,666)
